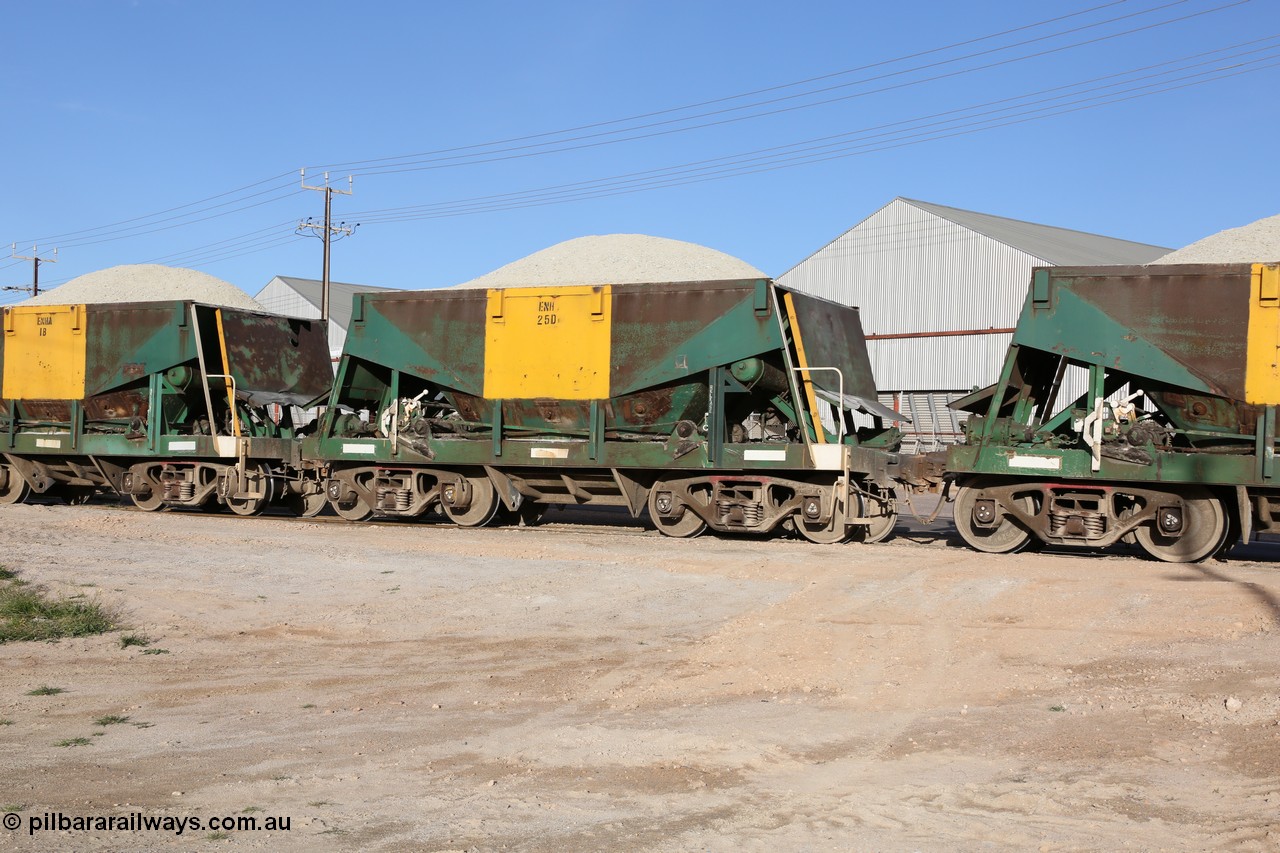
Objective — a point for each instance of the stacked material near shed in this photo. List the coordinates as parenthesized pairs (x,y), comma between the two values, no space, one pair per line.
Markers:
(1256,242)
(146,283)
(617,259)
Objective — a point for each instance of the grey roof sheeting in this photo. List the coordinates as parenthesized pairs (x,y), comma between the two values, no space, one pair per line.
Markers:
(1056,246)
(340,293)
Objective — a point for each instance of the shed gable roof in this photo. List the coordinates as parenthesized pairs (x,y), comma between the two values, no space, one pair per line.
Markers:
(340,293)
(1053,245)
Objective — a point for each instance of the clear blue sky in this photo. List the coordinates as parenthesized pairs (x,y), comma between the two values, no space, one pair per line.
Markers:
(147,111)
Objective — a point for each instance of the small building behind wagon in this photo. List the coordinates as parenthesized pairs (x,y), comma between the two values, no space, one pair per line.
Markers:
(939,289)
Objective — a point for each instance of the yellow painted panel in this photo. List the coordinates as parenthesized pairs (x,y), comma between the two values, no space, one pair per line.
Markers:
(44,352)
(1262,367)
(548,342)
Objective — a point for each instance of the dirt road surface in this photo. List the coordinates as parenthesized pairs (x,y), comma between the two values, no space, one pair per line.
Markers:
(579,687)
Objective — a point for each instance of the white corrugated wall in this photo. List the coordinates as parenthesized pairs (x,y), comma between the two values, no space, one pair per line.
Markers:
(911,271)
(279,298)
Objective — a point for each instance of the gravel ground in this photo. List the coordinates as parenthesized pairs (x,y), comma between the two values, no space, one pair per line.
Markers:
(581,687)
(617,259)
(1253,243)
(146,283)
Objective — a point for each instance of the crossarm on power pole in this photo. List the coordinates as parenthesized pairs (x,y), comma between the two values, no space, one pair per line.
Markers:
(326,230)
(36,261)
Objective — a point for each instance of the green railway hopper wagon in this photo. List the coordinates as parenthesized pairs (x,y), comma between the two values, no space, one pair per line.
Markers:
(166,402)
(702,402)
(1172,445)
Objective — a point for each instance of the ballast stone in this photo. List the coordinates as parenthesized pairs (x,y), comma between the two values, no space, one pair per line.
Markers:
(146,283)
(617,259)
(1253,243)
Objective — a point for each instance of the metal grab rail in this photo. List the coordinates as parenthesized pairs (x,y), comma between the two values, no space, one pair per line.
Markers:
(231,402)
(840,420)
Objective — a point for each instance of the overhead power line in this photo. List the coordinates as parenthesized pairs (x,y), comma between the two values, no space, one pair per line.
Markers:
(766,159)
(192,213)
(36,261)
(937,126)
(891,135)
(716,118)
(727,98)
(326,231)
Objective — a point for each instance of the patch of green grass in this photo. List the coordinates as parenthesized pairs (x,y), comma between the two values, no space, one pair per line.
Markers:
(142,725)
(13,807)
(251,810)
(74,741)
(134,640)
(1058,708)
(110,720)
(30,613)
(315,804)
(46,690)
(155,651)
(6,722)
(218,836)
(309,705)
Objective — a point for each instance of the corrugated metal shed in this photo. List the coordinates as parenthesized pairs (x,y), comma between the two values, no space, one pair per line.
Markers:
(940,289)
(301,297)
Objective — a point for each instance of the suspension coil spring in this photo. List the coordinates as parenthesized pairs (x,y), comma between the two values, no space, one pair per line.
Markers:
(736,514)
(403,498)
(1091,525)
(186,491)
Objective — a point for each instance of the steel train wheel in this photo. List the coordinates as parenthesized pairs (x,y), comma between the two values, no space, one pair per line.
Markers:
(483,507)
(885,518)
(154,498)
(254,506)
(1005,538)
(1204,524)
(15,489)
(835,530)
(307,506)
(352,510)
(686,525)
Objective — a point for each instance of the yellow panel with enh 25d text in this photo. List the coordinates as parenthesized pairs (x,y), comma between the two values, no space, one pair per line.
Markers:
(548,343)
(1262,366)
(44,352)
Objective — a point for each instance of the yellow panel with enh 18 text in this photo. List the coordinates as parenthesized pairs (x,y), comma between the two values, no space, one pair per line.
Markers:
(548,343)
(44,352)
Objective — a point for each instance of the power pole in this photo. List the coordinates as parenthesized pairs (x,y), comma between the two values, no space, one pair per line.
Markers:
(36,261)
(326,230)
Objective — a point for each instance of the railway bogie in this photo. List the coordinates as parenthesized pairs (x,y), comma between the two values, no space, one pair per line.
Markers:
(1136,404)
(710,405)
(1125,411)
(169,404)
